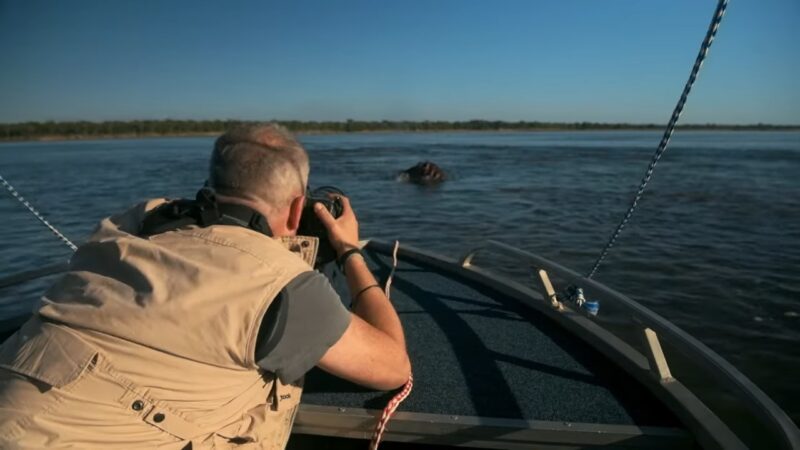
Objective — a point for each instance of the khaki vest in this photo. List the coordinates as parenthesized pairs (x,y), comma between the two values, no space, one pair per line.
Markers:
(150,343)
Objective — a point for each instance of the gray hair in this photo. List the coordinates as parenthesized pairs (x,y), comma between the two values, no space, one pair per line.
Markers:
(261,160)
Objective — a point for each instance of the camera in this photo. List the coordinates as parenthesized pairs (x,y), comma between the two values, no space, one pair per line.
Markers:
(310,225)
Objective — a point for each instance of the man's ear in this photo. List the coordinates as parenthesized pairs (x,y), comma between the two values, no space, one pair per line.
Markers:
(295,213)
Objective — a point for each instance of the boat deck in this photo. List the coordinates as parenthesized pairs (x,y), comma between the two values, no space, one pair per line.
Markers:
(477,352)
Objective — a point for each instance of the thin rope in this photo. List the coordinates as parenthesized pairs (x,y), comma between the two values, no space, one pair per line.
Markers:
(388,288)
(36,213)
(662,146)
(394,403)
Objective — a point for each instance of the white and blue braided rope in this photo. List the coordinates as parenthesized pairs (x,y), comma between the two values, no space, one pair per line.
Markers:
(662,146)
(36,213)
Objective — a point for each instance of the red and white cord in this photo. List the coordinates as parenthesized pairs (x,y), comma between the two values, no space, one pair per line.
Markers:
(398,398)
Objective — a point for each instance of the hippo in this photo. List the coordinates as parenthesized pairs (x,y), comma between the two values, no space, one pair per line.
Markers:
(426,173)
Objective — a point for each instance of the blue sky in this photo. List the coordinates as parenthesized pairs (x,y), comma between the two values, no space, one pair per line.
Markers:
(556,60)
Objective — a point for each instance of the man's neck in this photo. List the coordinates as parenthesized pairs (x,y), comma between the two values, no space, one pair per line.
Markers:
(277,219)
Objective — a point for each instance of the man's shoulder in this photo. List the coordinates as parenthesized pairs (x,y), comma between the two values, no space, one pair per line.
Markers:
(310,284)
(126,222)
(245,241)
(303,322)
(226,241)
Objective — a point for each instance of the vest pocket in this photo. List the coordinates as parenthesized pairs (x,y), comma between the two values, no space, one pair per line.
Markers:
(41,356)
(46,353)
(268,425)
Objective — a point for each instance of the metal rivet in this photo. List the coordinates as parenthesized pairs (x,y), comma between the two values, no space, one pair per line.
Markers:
(138,405)
(158,418)
(305,243)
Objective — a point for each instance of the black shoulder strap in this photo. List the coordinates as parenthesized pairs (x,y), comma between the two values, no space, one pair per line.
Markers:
(203,211)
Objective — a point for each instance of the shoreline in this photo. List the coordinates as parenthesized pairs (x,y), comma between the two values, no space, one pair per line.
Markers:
(120,136)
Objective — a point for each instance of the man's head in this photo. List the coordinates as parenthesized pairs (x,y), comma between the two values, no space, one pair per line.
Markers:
(260,164)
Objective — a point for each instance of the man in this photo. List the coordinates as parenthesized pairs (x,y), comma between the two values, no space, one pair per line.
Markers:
(191,324)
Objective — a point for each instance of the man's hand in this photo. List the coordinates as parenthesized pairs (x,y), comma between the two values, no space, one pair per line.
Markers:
(342,232)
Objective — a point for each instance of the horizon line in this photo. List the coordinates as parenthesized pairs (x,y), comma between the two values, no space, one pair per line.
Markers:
(407,121)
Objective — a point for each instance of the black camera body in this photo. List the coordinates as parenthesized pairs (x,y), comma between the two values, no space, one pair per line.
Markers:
(310,225)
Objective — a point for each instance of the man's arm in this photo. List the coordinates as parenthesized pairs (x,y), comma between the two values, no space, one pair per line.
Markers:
(372,350)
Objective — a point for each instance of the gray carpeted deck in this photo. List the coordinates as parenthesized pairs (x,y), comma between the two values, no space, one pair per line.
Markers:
(478,353)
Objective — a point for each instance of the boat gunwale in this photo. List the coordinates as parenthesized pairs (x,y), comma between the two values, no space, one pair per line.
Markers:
(485,432)
(711,430)
(689,346)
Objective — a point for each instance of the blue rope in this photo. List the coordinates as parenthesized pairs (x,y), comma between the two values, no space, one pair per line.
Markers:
(662,146)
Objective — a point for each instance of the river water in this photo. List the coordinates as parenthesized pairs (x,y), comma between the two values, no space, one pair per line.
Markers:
(714,245)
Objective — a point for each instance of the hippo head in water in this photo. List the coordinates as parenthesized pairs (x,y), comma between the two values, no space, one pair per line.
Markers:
(424,172)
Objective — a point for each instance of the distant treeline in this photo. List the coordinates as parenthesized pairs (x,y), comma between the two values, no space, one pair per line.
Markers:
(169,127)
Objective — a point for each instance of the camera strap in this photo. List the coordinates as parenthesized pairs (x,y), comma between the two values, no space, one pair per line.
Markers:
(203,211)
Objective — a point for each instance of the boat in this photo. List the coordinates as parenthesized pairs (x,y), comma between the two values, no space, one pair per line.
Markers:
(505,364)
